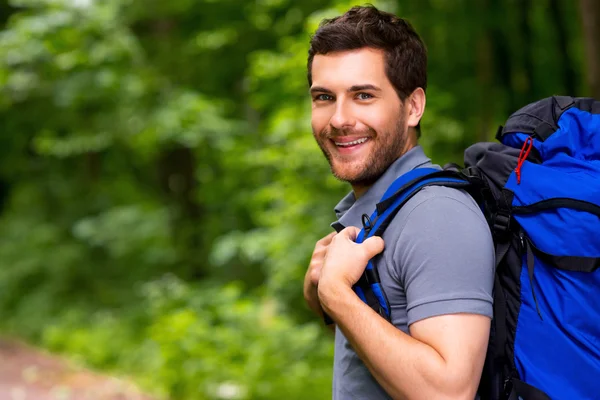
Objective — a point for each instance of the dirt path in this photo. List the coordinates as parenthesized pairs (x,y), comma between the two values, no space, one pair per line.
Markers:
(29,374)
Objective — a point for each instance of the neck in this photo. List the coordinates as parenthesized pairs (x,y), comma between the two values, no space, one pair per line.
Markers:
(359,190)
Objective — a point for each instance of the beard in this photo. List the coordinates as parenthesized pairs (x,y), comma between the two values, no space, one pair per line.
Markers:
(386,148)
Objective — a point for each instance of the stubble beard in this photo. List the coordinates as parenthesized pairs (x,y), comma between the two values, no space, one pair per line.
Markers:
(388,146)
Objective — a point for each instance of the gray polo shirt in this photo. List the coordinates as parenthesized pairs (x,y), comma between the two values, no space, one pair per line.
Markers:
(438,259)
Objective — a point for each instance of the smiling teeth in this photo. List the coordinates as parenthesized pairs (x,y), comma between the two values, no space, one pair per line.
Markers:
(353,143)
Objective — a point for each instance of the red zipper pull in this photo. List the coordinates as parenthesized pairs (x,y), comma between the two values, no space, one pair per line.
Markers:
(525,150)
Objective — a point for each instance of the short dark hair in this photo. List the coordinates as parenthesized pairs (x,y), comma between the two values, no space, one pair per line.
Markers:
(366,26)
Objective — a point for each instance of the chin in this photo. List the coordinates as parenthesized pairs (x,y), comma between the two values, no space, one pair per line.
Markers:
(347,174)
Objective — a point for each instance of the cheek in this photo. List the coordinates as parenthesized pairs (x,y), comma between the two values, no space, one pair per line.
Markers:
(319,120)
(381,119)
(371,119)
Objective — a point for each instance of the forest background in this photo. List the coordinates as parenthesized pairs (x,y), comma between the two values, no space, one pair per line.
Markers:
(160,189)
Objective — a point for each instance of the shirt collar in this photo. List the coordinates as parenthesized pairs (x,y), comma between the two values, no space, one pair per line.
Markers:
(349,210)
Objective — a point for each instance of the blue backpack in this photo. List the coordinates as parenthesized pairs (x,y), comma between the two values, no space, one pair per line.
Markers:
(539,189)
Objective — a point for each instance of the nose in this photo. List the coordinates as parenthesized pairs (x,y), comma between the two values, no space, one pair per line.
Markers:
(343,116)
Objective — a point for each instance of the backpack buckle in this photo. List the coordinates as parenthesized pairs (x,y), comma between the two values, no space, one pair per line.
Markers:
(472,174)
(367,225)
(501,224)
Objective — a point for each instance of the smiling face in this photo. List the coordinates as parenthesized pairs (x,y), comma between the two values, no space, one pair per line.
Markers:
(358,119)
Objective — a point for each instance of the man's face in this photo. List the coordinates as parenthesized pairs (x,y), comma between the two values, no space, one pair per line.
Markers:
(358,119)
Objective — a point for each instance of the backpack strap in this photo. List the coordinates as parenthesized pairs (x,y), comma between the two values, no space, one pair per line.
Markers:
(368,287)
(493,380)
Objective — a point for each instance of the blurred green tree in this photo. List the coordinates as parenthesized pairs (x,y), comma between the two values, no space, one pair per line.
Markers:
(160,189)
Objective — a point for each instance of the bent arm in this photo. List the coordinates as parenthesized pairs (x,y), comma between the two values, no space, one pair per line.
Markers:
(445,263)
(441,359)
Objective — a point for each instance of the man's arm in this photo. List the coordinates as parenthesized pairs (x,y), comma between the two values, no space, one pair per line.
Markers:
(442,359)
(443,356)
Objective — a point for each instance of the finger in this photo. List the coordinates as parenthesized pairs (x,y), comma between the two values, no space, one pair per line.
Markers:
(315,276)
(327,239)
(372,246)
(350,232)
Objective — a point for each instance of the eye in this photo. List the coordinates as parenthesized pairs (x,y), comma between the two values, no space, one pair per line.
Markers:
(364,96)
(323,97)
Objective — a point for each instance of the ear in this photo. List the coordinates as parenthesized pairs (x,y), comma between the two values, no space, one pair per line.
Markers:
(416,107)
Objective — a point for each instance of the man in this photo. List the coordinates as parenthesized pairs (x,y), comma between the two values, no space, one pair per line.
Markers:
(367,77)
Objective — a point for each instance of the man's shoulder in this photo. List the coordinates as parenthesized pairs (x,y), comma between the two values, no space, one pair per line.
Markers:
(442,199)
(432,206)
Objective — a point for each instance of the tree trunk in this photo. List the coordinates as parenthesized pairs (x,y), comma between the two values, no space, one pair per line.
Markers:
(590,15)
(485,71)
(529,89)
(6,10)
(503,68)
(176,166)
(568,73)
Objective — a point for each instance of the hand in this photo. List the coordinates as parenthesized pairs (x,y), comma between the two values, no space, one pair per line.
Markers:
(313,274)
(346,260)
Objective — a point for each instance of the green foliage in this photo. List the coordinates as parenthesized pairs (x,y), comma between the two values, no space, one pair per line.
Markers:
(153,153)
(203,342)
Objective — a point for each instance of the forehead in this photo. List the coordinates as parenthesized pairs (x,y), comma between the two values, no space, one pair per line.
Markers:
(347,68)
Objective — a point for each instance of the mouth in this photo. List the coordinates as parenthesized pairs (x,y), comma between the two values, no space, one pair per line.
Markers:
(348,144)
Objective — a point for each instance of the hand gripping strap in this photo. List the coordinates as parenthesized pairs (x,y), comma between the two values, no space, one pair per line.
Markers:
(369,288)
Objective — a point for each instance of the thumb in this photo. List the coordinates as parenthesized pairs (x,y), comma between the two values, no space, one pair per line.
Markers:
(350,232)
(373,246)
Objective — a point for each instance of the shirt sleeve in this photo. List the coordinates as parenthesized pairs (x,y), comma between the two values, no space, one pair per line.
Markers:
(446,258)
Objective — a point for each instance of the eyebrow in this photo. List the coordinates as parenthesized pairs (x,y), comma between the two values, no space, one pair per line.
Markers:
(319,89)
(359,88)
(355,88)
